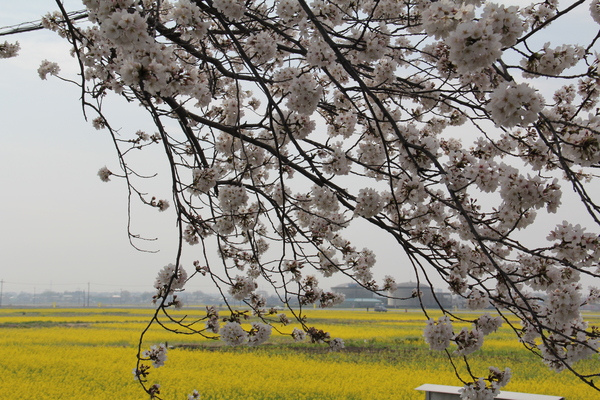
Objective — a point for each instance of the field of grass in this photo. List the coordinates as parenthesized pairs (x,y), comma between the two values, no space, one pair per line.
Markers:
(90,353)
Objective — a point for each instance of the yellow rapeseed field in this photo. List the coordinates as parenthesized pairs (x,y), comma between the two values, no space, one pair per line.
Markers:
(90,353)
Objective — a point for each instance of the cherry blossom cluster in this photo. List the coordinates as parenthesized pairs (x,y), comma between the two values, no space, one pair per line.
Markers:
(48,67)
(212,319)
(298,334)
(550,61)
(231,198)
(232,9)
(515,104)
(104,174)
(233,334)
(259,334)
(488,324)
(442,18)
(169,280)
(243,287)
(440,334)
(482,390)
(157,354)
(195,395)
(8,50)
(477,300)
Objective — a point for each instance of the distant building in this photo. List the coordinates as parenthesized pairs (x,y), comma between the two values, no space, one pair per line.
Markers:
(353,291)
(404,297)
(359,297)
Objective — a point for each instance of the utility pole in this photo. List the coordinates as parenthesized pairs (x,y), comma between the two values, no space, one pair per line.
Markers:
(1,290)
(88,296)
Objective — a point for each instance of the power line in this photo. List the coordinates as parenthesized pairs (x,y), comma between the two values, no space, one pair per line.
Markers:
(37,25)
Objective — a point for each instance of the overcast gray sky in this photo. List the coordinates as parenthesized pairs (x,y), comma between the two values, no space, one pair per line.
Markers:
(60,226)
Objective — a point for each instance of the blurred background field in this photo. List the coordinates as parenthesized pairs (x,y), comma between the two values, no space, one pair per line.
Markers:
(90,353)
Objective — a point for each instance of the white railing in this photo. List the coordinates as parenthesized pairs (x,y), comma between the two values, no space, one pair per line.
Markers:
(442,392)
